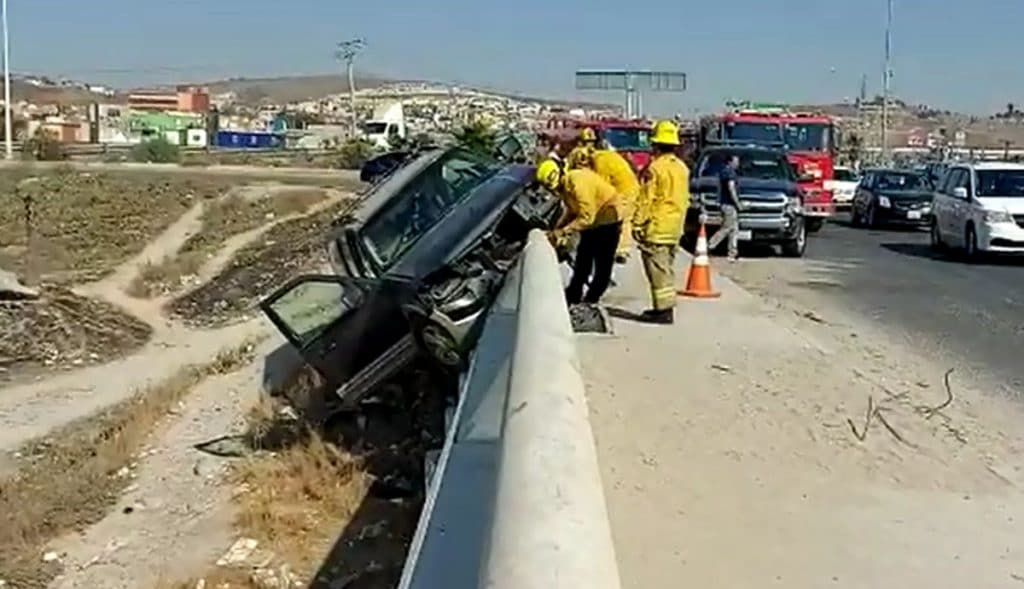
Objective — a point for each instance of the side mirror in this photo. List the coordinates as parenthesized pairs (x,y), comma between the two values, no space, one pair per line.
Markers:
(960,192)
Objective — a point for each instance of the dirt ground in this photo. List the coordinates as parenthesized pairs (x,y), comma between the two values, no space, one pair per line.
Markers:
(286,250)
(752,446)
(62,330)
(106,468)
(239,211)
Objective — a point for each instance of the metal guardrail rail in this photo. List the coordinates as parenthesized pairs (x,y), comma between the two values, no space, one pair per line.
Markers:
(516,500)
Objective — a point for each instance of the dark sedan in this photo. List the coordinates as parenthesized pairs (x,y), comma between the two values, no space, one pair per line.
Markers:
(415,269)
(888,196)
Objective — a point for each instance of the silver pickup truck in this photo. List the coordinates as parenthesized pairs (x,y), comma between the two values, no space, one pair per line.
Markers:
(772,201)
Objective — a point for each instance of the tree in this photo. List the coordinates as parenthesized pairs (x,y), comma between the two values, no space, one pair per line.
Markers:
(354,153)
(476,136)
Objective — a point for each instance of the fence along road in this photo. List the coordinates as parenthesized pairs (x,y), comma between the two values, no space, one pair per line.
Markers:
(516,501)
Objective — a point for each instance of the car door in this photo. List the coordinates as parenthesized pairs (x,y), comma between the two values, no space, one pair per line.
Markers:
(954,210)
(352,331)
(862,197)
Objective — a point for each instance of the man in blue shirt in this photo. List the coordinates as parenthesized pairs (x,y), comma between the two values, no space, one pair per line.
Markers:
(730,205)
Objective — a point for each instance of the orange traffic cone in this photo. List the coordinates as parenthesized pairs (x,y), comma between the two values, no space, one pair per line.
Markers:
(698,283)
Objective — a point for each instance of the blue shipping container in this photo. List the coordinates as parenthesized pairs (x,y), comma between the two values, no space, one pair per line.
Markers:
(249,140)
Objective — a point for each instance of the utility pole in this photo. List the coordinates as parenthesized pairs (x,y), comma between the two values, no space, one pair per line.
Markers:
(886,77)
(8,124)
(347,52)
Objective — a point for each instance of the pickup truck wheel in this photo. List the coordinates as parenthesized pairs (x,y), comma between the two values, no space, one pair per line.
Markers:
(814,225)
(795,247)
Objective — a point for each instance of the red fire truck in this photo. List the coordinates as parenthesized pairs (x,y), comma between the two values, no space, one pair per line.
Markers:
(809,139)
(630,137)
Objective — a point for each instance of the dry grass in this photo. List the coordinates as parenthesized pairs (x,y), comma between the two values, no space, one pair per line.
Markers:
(71,478)
(223,218)
(84,224)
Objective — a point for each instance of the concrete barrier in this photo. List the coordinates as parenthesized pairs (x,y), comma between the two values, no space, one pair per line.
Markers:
(551,526)
(517,501)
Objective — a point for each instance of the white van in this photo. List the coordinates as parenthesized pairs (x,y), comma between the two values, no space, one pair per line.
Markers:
(843,186)
(980,208)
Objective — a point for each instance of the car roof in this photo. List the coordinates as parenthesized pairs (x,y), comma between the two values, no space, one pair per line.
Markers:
(906,171)
(993,166)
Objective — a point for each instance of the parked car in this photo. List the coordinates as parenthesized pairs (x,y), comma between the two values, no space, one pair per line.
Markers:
(415,269)
(980,208)
(887,195)
(768,188)
(843,186)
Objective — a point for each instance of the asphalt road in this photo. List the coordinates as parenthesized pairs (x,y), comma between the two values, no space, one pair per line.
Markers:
(971,315)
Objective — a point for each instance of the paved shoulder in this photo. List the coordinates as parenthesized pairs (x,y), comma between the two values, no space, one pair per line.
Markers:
(729,461)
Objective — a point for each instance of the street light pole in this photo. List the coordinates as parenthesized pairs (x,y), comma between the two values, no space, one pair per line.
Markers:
(8,124)
(886,77)
(347,51)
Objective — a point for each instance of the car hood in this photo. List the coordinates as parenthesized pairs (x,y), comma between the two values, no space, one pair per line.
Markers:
(1012,205)
(907,195)
(749,187)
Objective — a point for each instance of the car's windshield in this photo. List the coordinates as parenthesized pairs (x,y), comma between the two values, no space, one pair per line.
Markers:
(1002,183)
(807,136)
(424,201)
(900,181)
(374,128)
(844,175)
(764,166)
(753,132)
(627,139)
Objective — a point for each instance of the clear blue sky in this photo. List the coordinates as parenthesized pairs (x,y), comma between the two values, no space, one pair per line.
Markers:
(953,53)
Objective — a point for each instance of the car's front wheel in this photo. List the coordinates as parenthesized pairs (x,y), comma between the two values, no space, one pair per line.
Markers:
(971,244)
(795,247)
(936,237)
(440,345)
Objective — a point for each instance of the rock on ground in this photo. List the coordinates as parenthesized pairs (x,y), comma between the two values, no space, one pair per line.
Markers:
(12,288)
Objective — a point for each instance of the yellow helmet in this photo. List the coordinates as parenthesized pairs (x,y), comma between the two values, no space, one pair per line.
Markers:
(588,135)
(549,173)
(665,133)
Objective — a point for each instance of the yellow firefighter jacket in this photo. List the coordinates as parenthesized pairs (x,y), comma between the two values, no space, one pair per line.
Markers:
(614,168)
(664,198)
(590,200)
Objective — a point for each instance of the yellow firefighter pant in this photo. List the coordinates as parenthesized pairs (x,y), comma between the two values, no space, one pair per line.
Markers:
(626,235)
(658,259)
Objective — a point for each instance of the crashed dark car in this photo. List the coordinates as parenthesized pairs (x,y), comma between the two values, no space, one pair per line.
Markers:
(416,267)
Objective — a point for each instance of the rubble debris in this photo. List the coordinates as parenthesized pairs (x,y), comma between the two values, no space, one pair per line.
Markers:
(239,552)
(12,289)
(588,318)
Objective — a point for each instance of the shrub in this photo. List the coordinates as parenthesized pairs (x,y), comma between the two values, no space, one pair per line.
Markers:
(354,153)
(476,136)
(159,150)
(43,146)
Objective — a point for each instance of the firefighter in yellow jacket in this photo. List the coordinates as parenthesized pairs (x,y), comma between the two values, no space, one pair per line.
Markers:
(658,220)
(592,210)
(579,156)
(614,168)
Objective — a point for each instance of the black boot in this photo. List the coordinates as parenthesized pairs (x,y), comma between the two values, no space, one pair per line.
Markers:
(662,317)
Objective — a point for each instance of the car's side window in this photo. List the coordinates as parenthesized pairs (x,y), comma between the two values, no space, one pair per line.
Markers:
(952,178)
(963,180)
(310,307)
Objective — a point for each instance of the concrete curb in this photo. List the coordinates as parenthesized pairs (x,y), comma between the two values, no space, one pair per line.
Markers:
(550,527)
